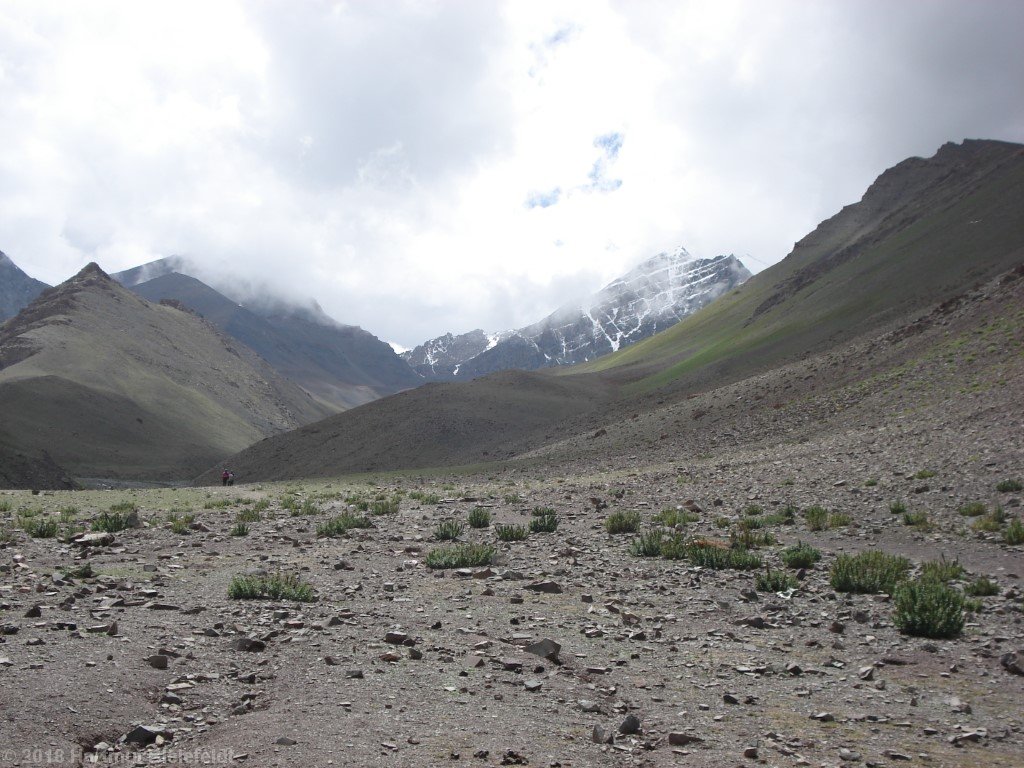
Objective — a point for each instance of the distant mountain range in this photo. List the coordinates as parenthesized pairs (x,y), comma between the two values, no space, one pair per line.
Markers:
(16,288)
(342,366)
(652,297)
(926,231)
(106,384)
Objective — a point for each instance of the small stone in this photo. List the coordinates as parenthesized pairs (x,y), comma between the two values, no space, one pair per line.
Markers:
(680,739)
(824,717)
(750,753)
(630,725)
(34,612)
(354,674)
(390,657)
(546,649)
(549,587)
(1013,662)
(248,644)
(395,638)
(157,661)
(144,735)
(533,685)
(866,673)
(601,735)
(794,669)
(284,741)
(728,698)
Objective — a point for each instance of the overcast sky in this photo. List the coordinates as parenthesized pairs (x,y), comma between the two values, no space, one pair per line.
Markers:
(422,167)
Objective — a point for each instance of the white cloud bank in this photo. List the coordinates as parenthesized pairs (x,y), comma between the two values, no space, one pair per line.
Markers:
(420,167)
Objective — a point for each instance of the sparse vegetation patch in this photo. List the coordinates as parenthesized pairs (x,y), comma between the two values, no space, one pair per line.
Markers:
(460,556)
(622,522)
(278,586)
(868,572)
(928,608)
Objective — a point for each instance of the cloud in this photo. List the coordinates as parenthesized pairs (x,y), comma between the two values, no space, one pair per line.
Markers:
(422,167)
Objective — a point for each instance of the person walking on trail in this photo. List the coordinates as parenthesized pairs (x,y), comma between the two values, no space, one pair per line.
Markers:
(231,478)
(224,477)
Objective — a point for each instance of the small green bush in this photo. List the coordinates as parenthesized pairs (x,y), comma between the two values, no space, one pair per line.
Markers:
(990,523)
(542,511)
(744,539)
(868,572)
(839,520)
(449,530)
(982,587)
(800,555)
(871,483)
(67,514)
(511,532)
(917,520)
(750,523)
(722,522)
(425,498)
(39,527)
(1014,533)
(647,544)
(925,608)
(941,570)
(261,506)
(775,581)
(670,517)
(512,498)
(1009,486)
(674,547)
(973,509)
(217,504)
(5,505)
(924,474)
(278,586)
(248,516)
(544,524)
(479,518)
(117,519)
(709,556)
(239,529)
(817,518)
(460,556)
(180,524)
(785,516)
(622,522)
(342,524)
(83,571)
(752,510)
(385,506)
(898,508)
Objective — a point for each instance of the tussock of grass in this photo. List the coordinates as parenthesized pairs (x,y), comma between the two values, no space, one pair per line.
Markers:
(868,572)
(711,556)
(990,523)
(816,518)
(622,522)
(982,587)
(119,518)
(180,524)
(800,555)
(239,529)
(941,570)
(898,508)
(927,608)
(479,518)
(775,581)
(449,530)
(342,524)
(670,517)
(460,556)
(511,532)
(39,527)
(248,516)
(1009,486)
(745,539)
(1014,533)
(547,523)
(278,586)
(973,509)
(918,520)
(385,506)
(647,544)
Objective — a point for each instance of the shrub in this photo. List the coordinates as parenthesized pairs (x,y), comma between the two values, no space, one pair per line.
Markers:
(990,523)
(542,511)
(750,523)
(125,507)
(385,506)
(622,522)
(512,498)
(898,508)
(342,524)
(511,532)
(982,587)
(973,605)
(67,514)
(800,555)
(941,570)
(239,529)
(261,506)
(308,507)
(775,581)
(973,509)
(744,539)
(289,502)
(479,518)
(5,505)
(925,608)
(710,556)
(673,517)
(924,474)
(180,524)
(871,483)
(868,572)
(917,520)
(817,518)
(674,547)
(39,527)
(838,520)
(217,504)
(784,516)
(544,524)
(722,522)
(83,571)
(1014,533)
(278,586)
(248,516)
(460,556)
(425,498)
(449,530)
(647,544)
(117,519)
(1009,486)
(752,510)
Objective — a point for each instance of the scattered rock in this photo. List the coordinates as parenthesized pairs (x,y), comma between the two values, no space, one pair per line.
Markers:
(549,587)
(546,649)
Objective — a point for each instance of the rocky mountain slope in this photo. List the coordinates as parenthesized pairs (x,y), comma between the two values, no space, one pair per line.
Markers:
(341,366)
(913,242)
(17,289)
(650,298)
(110,385)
